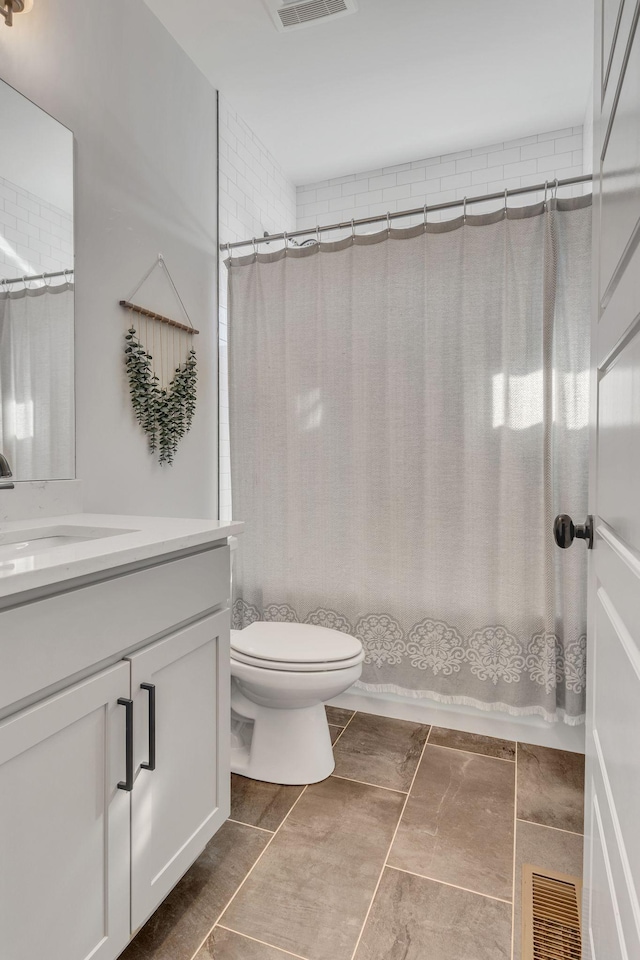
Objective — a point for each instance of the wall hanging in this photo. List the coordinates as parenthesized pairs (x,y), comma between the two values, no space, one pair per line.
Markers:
(162,371)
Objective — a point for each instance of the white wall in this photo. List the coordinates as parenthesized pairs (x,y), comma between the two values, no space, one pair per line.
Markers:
(473,172)
(254,196)
(144,120)
(38,236)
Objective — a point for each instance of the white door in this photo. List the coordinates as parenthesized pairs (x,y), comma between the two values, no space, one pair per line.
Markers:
(612,843)
(64,825)
(181,792)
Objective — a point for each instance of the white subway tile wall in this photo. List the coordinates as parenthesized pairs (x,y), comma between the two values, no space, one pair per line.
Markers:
(255,196)
(475,172)
(35,236)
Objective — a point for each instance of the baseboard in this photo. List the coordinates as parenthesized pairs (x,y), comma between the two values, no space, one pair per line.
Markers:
(455,717)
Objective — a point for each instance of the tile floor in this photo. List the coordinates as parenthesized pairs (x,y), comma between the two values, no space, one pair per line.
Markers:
(412,850)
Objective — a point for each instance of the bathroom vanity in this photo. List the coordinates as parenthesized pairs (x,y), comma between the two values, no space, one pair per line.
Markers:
(114,723)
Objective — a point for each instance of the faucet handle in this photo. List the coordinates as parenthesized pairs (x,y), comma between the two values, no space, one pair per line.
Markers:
(5,471)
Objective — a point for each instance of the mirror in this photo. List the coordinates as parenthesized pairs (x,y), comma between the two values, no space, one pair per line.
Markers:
(37,418)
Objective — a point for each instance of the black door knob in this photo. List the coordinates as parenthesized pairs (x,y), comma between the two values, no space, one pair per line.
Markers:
(565,531)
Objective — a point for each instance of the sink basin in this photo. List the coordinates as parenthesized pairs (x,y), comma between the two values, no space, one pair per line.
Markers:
(22,548)
(29,543)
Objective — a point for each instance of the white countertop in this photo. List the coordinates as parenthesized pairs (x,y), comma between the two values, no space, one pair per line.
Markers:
(122,540)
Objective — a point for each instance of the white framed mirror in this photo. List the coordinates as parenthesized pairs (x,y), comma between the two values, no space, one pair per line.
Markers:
(37,416)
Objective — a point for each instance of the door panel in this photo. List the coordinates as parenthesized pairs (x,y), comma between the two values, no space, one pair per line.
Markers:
(620,201)
(607,941)
(617,567)
(178,807)
(617,17)
(625,912)
(64,825)
(610,12)
(621,317)
(617,695)
(619,444)
(612,858)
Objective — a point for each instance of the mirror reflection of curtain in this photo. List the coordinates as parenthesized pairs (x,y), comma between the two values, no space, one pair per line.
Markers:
(37,417)
(407,416)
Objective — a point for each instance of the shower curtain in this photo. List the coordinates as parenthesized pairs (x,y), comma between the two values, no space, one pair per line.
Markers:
(409,411)
(36,382)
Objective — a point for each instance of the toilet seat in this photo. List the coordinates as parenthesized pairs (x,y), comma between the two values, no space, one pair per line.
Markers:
(315,667)
(296,647)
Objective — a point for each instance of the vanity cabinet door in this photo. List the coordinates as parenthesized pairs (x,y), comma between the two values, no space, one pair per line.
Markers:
(64,825)
(178,806)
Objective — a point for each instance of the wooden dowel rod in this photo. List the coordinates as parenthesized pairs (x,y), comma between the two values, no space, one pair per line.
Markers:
(157,316)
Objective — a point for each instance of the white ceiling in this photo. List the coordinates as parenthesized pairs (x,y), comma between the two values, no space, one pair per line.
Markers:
(36,152)
(399,80)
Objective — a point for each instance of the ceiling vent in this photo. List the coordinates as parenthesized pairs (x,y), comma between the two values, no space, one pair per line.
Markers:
(304,13)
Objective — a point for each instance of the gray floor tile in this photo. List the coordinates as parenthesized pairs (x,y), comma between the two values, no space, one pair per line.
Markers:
(546,848)
(334,732)
(226,945)
(338,716)
(416,919)
(551,787)
(380,750)
(310,892)
(183,920)
(458,823)
(261,804)
(473,742)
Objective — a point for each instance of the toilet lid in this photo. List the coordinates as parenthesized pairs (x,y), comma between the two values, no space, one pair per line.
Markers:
(294,643)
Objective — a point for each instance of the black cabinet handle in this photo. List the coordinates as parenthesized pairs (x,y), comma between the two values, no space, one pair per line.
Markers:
(151,688)
(565,531)
(128,783)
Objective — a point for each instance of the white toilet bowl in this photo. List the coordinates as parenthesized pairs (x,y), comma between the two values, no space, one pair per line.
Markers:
(282,675)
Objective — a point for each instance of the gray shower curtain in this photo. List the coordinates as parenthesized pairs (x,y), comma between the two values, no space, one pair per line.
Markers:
(408,413)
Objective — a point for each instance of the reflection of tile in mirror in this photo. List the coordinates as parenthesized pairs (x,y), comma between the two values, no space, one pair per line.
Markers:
(36,311)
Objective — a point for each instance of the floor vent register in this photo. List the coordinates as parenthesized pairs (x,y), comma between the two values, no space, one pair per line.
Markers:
(550,915)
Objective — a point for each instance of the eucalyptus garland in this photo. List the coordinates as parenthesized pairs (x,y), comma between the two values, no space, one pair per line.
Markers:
(164,413)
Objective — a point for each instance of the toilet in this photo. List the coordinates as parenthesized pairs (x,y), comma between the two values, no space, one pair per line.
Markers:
(281,676)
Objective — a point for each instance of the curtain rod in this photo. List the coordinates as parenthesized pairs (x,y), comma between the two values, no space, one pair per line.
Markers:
(386,217)
(37,276)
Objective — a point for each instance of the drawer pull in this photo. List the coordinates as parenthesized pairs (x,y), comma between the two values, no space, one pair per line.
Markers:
(151,688)
(128,783)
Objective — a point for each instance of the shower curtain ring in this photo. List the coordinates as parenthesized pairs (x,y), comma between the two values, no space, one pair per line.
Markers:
(464,210)
(286,239)
(228,249)
(425,215)
(546,190)
(318,234)
(555,188)
(505,199)
(255,247)
(353,229)
(388,224)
